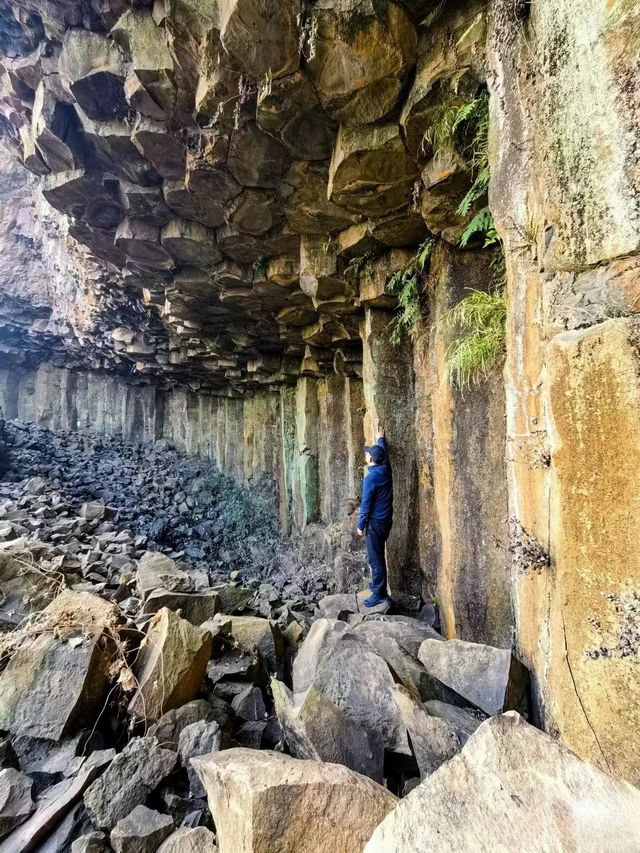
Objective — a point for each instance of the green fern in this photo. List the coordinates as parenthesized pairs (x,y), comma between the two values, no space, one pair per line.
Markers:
(434,14)
(408,285)
(479,324)
(482,223)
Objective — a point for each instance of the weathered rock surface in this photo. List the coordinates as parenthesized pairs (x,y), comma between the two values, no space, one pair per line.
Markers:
(328,807)
(491,679)
(170,665)
(15,800)
(134,774)
(141,831)
(198,840)
(513,787)
(57,680)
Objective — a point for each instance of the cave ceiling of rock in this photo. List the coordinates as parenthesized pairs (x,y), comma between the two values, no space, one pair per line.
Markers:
(216,170)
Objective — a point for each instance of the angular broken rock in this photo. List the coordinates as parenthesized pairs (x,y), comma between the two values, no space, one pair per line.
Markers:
(198,840)
(195,607)
(157,571)
(141,831)
(252,632)
(464,721)
(57,680)
(264,801)
(513,788)
(15,799)
(133,774)
(171,725)
(489,678)
(318,730)
(170,666)
(197,739)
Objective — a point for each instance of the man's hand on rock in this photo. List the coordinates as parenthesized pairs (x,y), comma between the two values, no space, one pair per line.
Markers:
(380,430)
(360,532)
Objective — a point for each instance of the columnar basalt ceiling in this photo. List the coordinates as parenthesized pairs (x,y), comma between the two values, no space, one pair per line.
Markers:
(230,163)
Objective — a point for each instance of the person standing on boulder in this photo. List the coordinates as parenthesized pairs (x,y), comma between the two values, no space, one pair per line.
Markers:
(376,516)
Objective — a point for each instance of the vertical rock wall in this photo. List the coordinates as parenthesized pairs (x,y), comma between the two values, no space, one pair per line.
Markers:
(565,193)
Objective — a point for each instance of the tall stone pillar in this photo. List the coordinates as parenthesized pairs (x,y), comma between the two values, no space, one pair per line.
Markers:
(389,396)
(306,488)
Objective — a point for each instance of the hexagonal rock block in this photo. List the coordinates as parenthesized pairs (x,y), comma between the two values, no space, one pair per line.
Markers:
(319,276)
(252,632)
(308,209)
(115,152)
(371,171)
(191,243)
(144,203)
(149,88)
(54,125)
(363,54)
(163,149)
(513,788)
(95,69)
(262,800)
(140,242)
(261,36)
(256,159)
(290,109)
(451,64)
(374,279)
(170,666)
(83,197)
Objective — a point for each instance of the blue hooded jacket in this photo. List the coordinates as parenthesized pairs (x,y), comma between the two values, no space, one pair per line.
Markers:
(377,492)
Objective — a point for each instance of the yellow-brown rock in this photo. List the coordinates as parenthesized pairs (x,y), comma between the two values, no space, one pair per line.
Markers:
(170,665)
(327,807)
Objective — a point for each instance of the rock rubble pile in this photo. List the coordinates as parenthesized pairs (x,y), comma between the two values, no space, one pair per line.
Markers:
(156,700)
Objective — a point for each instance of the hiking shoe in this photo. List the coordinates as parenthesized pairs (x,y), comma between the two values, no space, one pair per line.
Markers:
(375,601)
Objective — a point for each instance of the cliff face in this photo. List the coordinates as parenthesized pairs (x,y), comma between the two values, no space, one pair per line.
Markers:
(246,228)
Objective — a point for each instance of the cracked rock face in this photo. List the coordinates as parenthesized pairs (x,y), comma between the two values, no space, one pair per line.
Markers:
(191,152)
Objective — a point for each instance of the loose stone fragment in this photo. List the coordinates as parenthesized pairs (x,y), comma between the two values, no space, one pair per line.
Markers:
(489,678)
(15,799)
(141,831)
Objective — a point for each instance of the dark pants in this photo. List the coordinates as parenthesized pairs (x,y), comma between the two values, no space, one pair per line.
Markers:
(377,534)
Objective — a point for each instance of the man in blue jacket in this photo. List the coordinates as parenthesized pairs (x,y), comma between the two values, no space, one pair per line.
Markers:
(376,516)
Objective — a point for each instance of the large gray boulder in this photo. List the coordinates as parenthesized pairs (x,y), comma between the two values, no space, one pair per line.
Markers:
(266,801)
(489,678)
(513,788)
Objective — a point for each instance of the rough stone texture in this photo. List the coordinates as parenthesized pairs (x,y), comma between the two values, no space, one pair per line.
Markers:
(484,676)
(141,831)
(198,840)
(15,799)
(50,686)
(218,197)
(328,807)
(562,186)
(513,787)
(128,781)
(170,665)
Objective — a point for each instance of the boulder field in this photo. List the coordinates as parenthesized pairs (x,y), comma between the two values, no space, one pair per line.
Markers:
(152,702)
